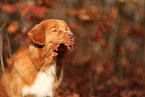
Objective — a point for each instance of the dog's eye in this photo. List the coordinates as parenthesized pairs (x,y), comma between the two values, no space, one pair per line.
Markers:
(66,30)
(54,30)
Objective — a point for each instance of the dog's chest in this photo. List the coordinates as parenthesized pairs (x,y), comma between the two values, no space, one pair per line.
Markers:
(43,85)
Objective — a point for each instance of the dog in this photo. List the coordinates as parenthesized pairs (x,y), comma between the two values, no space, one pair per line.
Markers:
(37,68)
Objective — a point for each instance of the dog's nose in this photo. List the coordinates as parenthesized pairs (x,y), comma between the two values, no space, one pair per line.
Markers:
(70,34)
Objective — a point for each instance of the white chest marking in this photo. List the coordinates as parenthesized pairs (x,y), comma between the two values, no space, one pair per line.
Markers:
(43,84)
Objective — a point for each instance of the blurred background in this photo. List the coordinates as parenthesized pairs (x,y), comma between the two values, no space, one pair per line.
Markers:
(108,59)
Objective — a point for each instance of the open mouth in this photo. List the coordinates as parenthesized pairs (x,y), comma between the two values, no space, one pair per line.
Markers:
(63,47)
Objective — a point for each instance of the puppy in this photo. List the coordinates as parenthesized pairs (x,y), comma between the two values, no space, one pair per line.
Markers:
(37,68)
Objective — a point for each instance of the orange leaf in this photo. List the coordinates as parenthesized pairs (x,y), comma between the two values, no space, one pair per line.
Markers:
(13,27)
(74,26)
(39,11)
(114,13)
(84,17)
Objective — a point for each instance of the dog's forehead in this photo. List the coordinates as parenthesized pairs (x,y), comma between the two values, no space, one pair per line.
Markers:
(56,23)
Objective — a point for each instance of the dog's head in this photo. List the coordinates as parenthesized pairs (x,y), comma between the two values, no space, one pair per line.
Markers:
(54,32)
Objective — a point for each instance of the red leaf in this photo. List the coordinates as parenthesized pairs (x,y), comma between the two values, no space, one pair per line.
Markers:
(25,10)
(39,11)
(9,8)
(1,4)
(96,36)
(74,26)
(35,10)
(102,29)
(26,40)
(72,71)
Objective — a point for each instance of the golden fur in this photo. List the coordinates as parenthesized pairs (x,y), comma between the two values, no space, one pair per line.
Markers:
(43,50)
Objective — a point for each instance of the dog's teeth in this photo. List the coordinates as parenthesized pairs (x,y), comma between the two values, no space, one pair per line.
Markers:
(69,47)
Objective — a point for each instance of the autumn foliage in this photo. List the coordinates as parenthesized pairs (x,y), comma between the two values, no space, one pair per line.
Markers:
(109,56)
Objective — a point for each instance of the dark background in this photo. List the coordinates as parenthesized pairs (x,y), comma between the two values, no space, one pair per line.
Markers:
(109,57)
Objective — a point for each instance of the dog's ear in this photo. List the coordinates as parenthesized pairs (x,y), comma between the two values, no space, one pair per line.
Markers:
(37,34)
